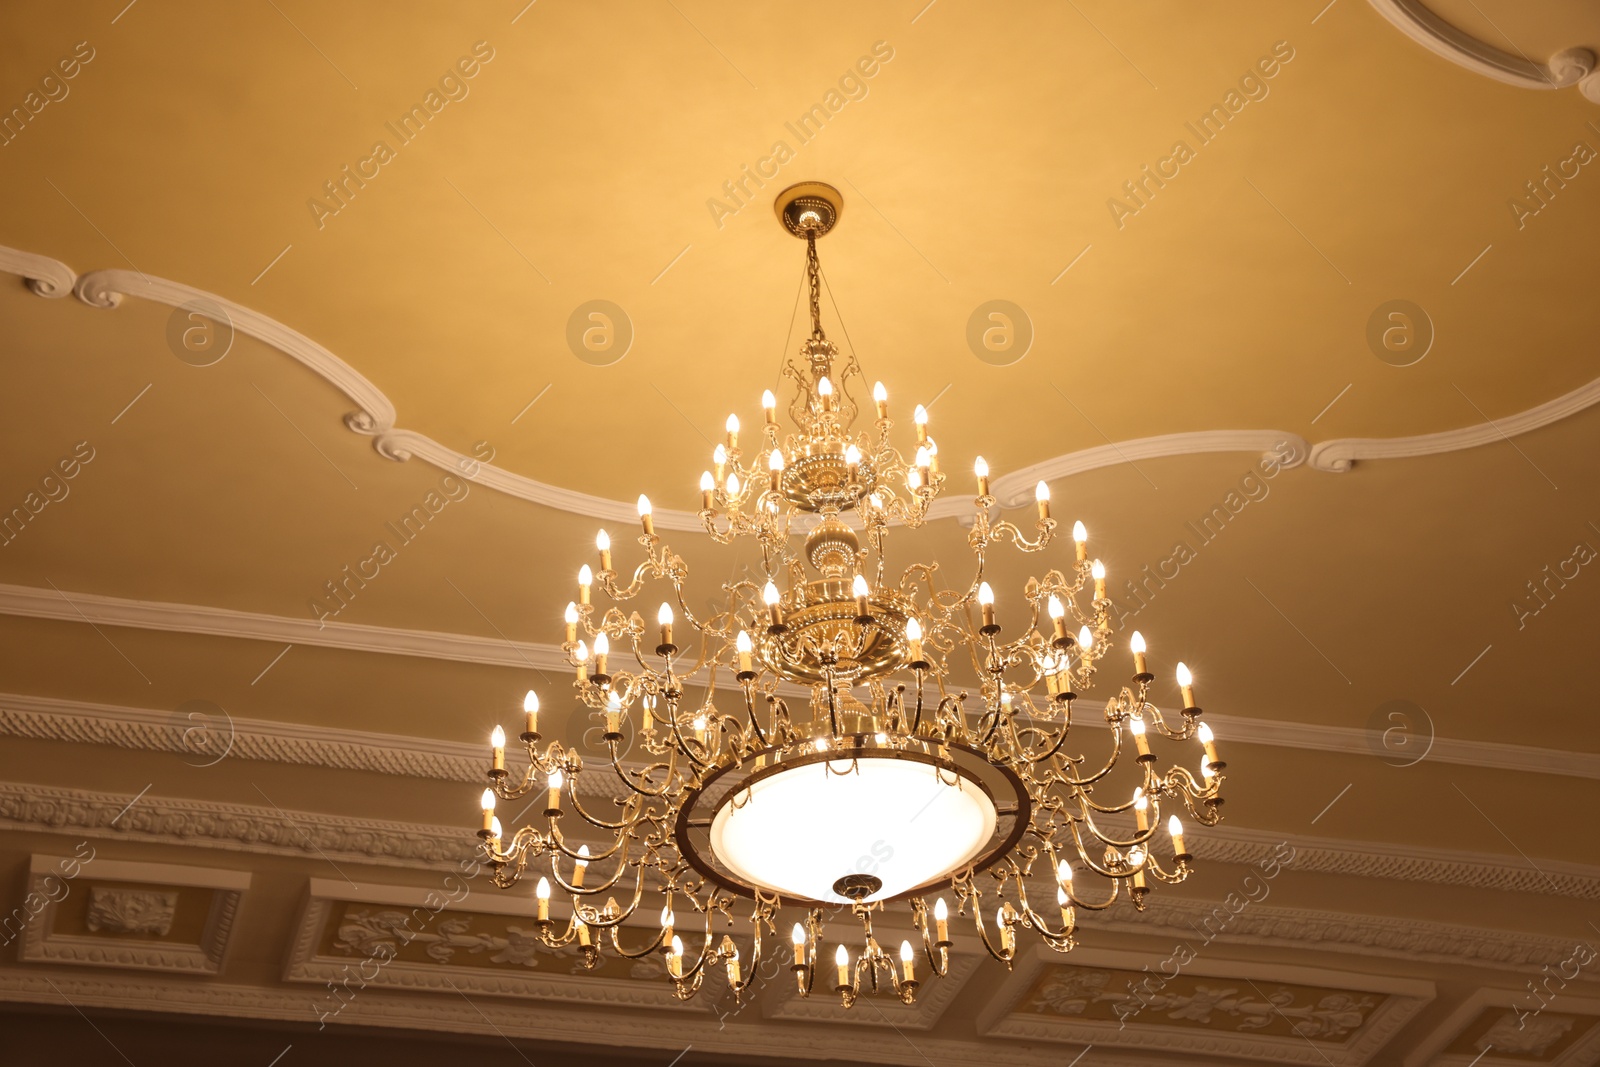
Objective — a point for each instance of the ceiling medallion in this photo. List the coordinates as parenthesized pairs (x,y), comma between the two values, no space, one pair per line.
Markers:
(885,787)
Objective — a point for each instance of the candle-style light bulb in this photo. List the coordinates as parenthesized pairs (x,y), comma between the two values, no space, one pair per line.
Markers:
(775,468)
(487,803)
(824,387)
(1140,742)
(579,866)
(602,649)
(1141,806)
(769,406)
(585,580)
(1064,873)
(1175,830)
(732,427)
(645,520)
(907,966)
(1136,646)
(923,459)
(941,921)
(1085,638)
(530,708)
(1209,741)
(1080,537)
(880,396)
(986,604)
(495,829)
(1041,496)
(1186,685)
(570,617)
(552,802)
(542,891)
(852,463)
(602,542)
(1098,573)
(860,590)
(497,741)
(769,595)
(798,936)
(664,620)
(920,417)
(980,469)
(744,647)
(719,459)
(914,640)
(1058,618)
(842,958)
(708,486)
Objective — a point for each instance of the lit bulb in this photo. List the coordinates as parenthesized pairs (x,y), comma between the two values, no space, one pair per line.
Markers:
(1064,872)
(1136,728)
(1057,609)
(905,952)
(980,468)
(1136,643)
(1206,772)
(913,630)
(1184,676)
(1203,732)
(733,485)
(644,505)
(879,393)
(824,387)
(699,724)
(495,830)
(1174,826)
(842,957)
(1098,571)
(530,702)
(488,800)
(1085,638)
(677,945)
(859,587)
(852,456)
(1061,897)
(614,702)
(821,744)
(923,458)
(581,653)
(719,455)
(732,425)
(570,616)
(985,594)
(799,935)
(881,738)
(768,401)
(543,889)
(1136,857)
(497,738)
(664,616)
(585,575)
(602,541)
(920,416)
(770,594)
(707,483)
(1079,533)
(1041,493)
(1141,802)
(557,779)
(602,644)
(775,461)
(742,642)
(940,911)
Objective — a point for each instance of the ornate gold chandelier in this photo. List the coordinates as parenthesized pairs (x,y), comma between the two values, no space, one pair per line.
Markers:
(887,788)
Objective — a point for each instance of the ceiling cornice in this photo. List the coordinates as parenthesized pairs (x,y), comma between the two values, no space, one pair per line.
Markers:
(375,414)
(35,715)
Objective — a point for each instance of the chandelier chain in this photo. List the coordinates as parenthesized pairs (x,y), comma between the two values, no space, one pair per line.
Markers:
(813,274)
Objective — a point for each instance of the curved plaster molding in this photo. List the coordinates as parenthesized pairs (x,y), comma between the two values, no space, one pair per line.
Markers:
(375,414)
(1340,455)
(1572,66)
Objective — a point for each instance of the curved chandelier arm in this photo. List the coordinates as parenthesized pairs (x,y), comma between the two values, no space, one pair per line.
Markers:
(630,815)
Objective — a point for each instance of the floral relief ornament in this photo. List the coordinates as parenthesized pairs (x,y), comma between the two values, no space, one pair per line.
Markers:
(381,935)
(131,911)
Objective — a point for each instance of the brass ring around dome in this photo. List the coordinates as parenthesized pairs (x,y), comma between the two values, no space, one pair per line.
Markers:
(813,205)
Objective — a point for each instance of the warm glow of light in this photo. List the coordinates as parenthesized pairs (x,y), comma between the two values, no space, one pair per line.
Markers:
(732,425)
(913,630)
(666,915)
(1136,642)
(768,401)
(842,957)
(980,468)
(775,461)
(543,889)
(585,575)
(571,614)
(1041,492)
(1136,857)
(742,643)
(770,594)
(497,738)
(1174,826)
(677,945)
(707,483)
(1184,677)
(1098,571)
(1057,609)
(920,416)
(940,911)
(905,952)
(581,652)
(1085,638)
(699,722)
(614,703)
(821,744)
(1140,801)
(557,779)
(879,393)
(732,484)
(602,541)
(494,827)
(1136,727)
(602,644)
(824,387)
(1061,897)
(852,455)
(1079,532)
(799,935)
(719,455)
(1203,732)
(530,701)
(644,505)
(488,800)
(1064,872)
(923,457)
(859,587)
(664,616)
(583,856)
(985,594)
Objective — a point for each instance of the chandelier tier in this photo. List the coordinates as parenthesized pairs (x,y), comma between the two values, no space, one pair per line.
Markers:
(889,784)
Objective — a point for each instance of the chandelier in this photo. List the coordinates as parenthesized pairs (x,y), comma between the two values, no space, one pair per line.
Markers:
(833,764)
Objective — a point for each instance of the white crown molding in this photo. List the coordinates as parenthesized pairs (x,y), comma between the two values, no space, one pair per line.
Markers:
(1340,455)
(53,719)
(272,831)
(1572,66)
(1402,1000)
(375,414)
